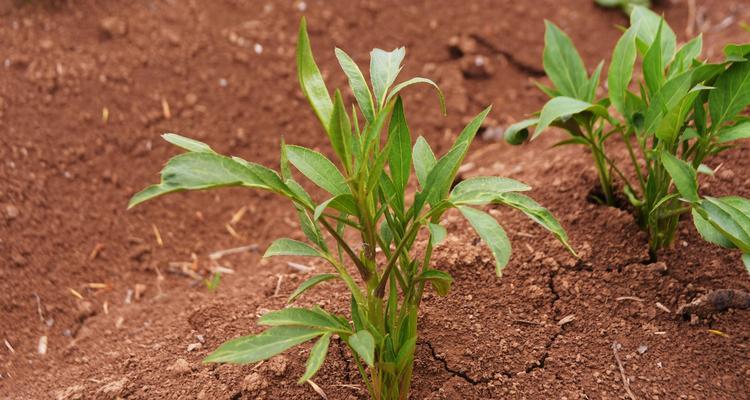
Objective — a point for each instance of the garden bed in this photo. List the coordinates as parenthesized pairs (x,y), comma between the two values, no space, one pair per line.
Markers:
(89,87)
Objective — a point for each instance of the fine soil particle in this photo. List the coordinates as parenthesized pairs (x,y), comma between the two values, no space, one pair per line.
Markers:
(117,296)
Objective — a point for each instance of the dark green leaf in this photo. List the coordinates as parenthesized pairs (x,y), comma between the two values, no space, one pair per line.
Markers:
(653,63)
(491,233)
(684,58)
(363,344)
(311,80)
(400,152)
(561,108)
(316,358)
(343,202)
(299,317)
(731,94)
(309,284)
(424,160)
(318,169)
(648,25)
(519,132)
(537,213)
(683,175)
(250,349)
(708,232)
(340,132)
(290,247)
(563,64)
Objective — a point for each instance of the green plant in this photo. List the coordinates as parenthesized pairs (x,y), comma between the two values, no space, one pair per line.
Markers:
(368,192)
(682,112)
(626,5)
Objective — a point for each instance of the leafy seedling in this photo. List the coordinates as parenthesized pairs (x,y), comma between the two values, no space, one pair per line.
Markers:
(367,191)
(674,118)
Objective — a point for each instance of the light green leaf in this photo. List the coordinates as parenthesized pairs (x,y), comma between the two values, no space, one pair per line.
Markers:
(250,349)
(673,120)
(311,80)
(563,64)
(384,67)
(740,130)
(293,316)
(705,169)
(343,202)
(653,63)
(358,84)
(306,285)
(400,150)
(484,189)
(648,25)
(316,358)
(414,81)
(594,83)
(187,143)
(684,58)
(563,107)
(440,280)
(491,233)
(731,94)
(667,98)
(340,132)
(318,169)
(363,344)
(437,234)
(708,232)
(424,160)
(519,132)
(683,175)
(730,221)
(537,213)
(290,247)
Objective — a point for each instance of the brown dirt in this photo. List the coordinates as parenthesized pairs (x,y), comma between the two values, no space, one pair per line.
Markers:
(66,175)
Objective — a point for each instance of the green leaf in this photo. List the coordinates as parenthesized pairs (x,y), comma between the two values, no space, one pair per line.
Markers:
(293,316)
(484,189)
(519,132)
(187,143)
(746,261)
(440,280)
(740,130)
(384,67)
(673,120)
(424,160)
(250,349)
(343,202)
(536,213)
(731,94)
(648,26)
(437,234)
(563,107)
(653,63)
(737,52)
(310,79)
(708,232)
(198,171)
(684,176)
(414,81)
(363,344)
(594,82)
(684,58)
(316,358)
(730,221)
(563,64)
(340,132)
(318,169)
(667,98)
(400,151)
(491,233)
(290,247)
(313,281)
(358,84)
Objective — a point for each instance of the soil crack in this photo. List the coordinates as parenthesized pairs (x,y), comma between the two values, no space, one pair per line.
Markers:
(531,70)
(460,374)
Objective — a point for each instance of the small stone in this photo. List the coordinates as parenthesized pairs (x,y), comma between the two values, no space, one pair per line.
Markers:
(18,259)
(477,67)
(642,349)
(726,174)
(11,211)
(191,99)
(113,27)
(46,44)
(194,346)
(113,389)
(254,383)
(140,289)
(459,46)
(85,310)
(180,367)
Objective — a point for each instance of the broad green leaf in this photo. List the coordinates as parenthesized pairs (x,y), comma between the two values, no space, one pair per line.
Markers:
(311,80)
(363,344)
(358,84)
(290,247)
(648,26)
(563,64)
(731,94)
(384,67)
(673,120)
(424,160)
(519,132)
(317,355)
(250,349)
(736,52)
(400,151)
(737,131)
(706,73)
(594,83)
(309,284)
(484,189)
(340,132)
(187,143)
(318,169)
(684,58)
(708,232)
(563,107)
(197,171)
(343,202)
(733,224)
(667,98)
(491,233)
(440,280)
(405,354)
(269,177)
(683,175)
(437,234)
(414,81)
(653,63)
(293,316)
(537,213)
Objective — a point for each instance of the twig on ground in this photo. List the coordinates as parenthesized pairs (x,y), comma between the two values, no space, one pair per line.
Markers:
(157,234)
(299,267)
(566,320)
(526,322)
(633,298)
(317,389)
(625,380)
(663,308)
(234,250)
(7,344)
(39,307)
(278,285)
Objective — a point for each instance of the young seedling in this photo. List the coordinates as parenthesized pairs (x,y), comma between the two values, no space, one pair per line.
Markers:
(367,193)
(679,114)
(626,5)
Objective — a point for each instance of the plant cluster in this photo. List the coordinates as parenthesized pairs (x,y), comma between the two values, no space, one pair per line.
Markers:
(367,188)
(681,112)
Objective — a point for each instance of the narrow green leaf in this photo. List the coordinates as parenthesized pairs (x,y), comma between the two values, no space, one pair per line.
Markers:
(563,64)
(621,69)
(290,247)
(484,189)
(648,26)
(308,284)
(519,132)
(363,344)
(340,132)
(400,152)
(384,67)
(250,349)
(414,81)
(438,233)
(667,98)
(683,175)
(293,316)
(491,233)
(316,358)
(537,213)
(318,169)
(563,107)
(440,280)
(653,63)
(708,232)
(424,160)
(740,130)
(731,94)
(731,222)
(344,203)
(358,84)
(187,143)
(311,80)
(593,83)
(684,58)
